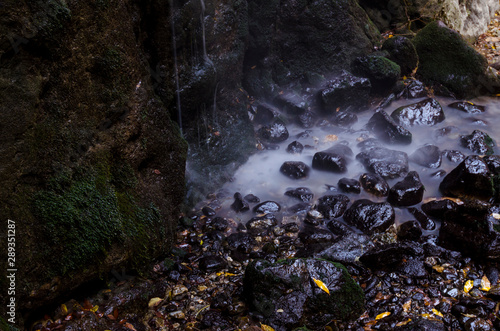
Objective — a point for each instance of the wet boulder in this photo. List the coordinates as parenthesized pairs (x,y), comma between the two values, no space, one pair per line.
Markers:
(386,129)
(412,89)
(468,107)
(346,92)
(239,205)
(438,208)
(453,155)
(287,293)
(369,143)
(291,103)
(425,222)
(407,192)
(240,241)
(385,162)
(264,114)
(332,206)
(298,208)
(294,169)
(370,217)
(267,207)
(426,112)
(478,142)
(251,198)
(295,147)
(307,120)
(334,159)
(275,133)
(409,231)
(349,185)
(262,222)
(343,119)
(427,156)
(445,58)
(470,179)
(382,72)
(314,235)
(304,194)
(402,52)
(374,184)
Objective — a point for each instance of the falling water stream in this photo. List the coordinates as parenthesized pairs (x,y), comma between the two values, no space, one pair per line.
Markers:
(174,47)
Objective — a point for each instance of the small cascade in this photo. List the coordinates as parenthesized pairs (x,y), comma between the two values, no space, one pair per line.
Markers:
(174,47)
(202,19)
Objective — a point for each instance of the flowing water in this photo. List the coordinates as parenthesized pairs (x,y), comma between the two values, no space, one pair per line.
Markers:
(174,48)
(261,176)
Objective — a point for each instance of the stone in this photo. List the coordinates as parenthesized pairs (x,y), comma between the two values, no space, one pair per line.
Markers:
(425,222)
(332,206)
(427,112)
(307,120)
(291,103)
(275,133)
(347,249)
(343,119)
(478,142)
(212,263)
(407,192)
(454,155)
(370,217)
(267,207)
(314,235)
(382,72)
(402,52)
(409,230)
(334,159)
(427,156)
(412,89)
(251,198)
(264,114)
(386,129)
(374,184)
(384,162)
(294,169)
(349,185)
(239,205)
(285,293)
(422,324)
(295,147)
(346,92)
(304,194)
(240,241)
(468,107)
(262,222)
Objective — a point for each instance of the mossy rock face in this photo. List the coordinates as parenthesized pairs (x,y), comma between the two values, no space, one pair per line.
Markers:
(382,72)
(293,287)
(402,52)
(446,59)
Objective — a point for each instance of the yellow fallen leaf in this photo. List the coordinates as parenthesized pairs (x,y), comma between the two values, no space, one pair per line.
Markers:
(438,268)
(331,137)
(468,286)
(266,327)
(485,284)
(469,315)
(380,316)
(64,309)
(437,312)
(496,216)
(321,285)
(94,309)
(225,274)
(407,306)
(404,322)
(154,302)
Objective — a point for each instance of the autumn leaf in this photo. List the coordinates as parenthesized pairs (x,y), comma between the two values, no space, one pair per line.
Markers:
(266,327)
(404,322)
(437,312)
(129,326)
(485,284)
(407,306)
(438,268)
(64,309)
(154,302)
(380,316)
(468,286)
(321,285)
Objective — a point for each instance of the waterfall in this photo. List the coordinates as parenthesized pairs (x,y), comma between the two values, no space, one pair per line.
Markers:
(174,47)
(202,19)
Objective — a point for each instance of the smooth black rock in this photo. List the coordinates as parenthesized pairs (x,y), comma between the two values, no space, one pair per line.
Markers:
(302,193)
(369,143)
(344,119)
(409,231)
(334,159)
(307,120)
(275,133)
(349,185)
(208,211)
(294,169)
(412,89)
(347,249)
(314,235)
(292,103)
(467,107)
(369,216)
(295,147)
(262,222)
(454,155)
(423,324)
(384,162)
(217,224)
(471,178)
(239,205)
(212,263)
(251,198)
(427,156)
(299,208)
(332,206)
(267,207)
(426,112)
(407,192)
(374,184)
(425,222)
(386,129)
(478,142)
(438,208)
(346,92)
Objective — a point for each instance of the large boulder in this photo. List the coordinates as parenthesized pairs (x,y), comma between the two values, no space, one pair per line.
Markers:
(382,72)
(334,159)
(446,59)
(388,130)
(287,294)
(402,52)
(385,162)
(370,217)
(407,192)
(426,112)
(345,92)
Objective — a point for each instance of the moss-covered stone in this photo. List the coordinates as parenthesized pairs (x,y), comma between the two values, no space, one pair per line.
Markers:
(402,52)
(382,72)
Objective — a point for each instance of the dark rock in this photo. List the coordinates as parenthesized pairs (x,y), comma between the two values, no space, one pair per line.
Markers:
(402,52)
(262,222)
(425,222)
(374,184)
(386,129)
(347,249)
(208,211)
(251,198)
(491,273)
(454,155)
(412,89)
(243,242)
(334,159)
(294,169)
(477,324)
(285,293)
(344,119)
(478,142)
(426,112)
(267,207)
(447,130)
(349,185)
(264,114)
(338,228)
(212,263)
(313,235)
(291,227)
(295,148)
(299,208)
(302,193)
(382,72)
(438,208)
(473,172)
(427,156)
(291,103)
(370,217)
(423,324)
(407,192)
(217,224)
(239,205)
(332,206)
(468,107)
(214,320)
(456,66)
(275,133)
(384,162)
(369,143)
(409,231)
(346,92)
(308,119)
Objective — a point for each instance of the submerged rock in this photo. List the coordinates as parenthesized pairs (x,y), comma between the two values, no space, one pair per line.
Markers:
(385,162)
(382,72)
(374,184)
(386,129)
(275,133)
(407,192)
(332,206)
(262,222)
(468,107)
(370,217)
(343,119)
(402,52)
(287,293)
(426,112)
(428,156)
(454,155)
(478,142)
(334,159)
(294,169)
(349,185)
(304,194)
(346,92)
(295,147)
(239,205)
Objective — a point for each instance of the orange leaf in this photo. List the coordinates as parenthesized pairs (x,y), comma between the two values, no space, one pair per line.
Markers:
(115,313)
(111,317)
(130,326)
